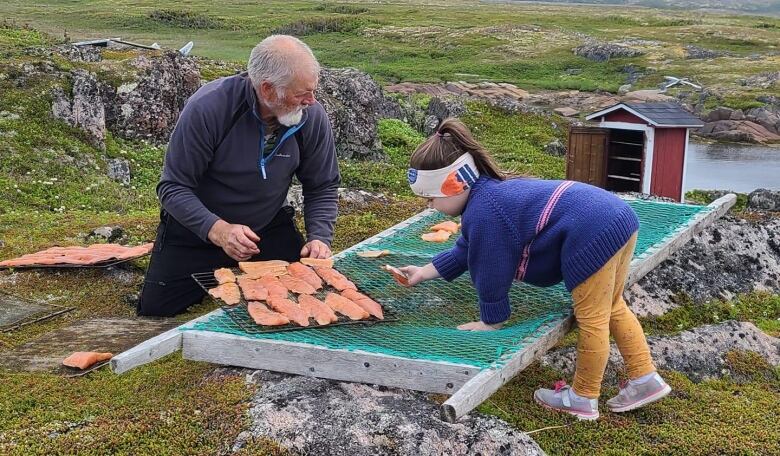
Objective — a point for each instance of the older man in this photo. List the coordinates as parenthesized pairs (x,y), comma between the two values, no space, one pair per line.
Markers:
(232,156)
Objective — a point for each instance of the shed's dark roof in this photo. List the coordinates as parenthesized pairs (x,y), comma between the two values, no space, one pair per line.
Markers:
(658,114)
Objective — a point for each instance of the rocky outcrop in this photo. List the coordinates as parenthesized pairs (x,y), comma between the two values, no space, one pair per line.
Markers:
(701,353)
(144,109)
(353,197)
(731,256)
(119,170)
(646,96)
(354,102)
(602,52)
(757,125)
(764,200)
(761,80)
(315,416)
(149,107)
(696,52)
(83,107)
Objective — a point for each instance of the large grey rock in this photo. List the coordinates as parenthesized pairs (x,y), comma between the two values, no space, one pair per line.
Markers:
(108,233)
(353,197)
(738,131)
(354,102)
(731,256)
(444,107)
(602,52)
(699,353)
(83,107)
(314,416)
(763,199)
(556,148)
(149,107)
(768,118)
(119,170)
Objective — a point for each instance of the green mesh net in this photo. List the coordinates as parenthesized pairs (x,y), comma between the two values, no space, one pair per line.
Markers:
(428,313)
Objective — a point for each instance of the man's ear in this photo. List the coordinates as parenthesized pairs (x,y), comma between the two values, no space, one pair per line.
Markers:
(267,91)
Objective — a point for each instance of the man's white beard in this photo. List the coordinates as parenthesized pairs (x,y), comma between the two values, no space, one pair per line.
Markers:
(291,118)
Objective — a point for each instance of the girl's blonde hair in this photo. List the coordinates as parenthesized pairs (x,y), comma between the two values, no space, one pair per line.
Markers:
(451,140)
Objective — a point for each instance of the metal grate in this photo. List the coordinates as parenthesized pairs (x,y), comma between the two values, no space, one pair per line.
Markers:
(244,322)
(98,265)
(429,313)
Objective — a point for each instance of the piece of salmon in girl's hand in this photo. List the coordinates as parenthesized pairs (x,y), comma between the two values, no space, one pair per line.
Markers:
(397,274)
(437,236)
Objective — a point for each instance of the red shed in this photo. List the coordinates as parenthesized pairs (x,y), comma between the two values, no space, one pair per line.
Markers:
(639,147)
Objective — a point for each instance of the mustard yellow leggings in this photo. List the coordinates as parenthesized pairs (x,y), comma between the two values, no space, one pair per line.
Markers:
(600,310)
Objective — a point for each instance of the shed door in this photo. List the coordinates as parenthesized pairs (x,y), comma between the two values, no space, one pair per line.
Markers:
(586,158)
(668,163)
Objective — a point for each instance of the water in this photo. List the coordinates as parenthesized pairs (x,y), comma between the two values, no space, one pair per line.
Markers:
(737,167)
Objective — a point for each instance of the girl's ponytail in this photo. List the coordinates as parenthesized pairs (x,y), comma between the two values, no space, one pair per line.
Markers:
(451,140)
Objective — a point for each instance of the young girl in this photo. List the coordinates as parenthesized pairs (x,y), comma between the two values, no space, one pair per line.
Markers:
(540,232)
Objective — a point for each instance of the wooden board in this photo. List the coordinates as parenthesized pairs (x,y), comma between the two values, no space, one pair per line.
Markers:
(586,156)
(313,361)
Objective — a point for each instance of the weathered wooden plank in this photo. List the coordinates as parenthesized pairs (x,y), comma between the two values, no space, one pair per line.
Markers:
(155,348)
(314,361)
(488,381)
(641,266)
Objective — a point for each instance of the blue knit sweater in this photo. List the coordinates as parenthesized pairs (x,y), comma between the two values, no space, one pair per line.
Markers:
(537,231)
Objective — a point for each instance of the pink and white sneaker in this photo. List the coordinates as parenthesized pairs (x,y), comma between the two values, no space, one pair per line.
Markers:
(634,395)
(563,399)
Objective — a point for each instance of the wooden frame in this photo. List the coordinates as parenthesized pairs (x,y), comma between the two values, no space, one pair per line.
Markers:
(468,385)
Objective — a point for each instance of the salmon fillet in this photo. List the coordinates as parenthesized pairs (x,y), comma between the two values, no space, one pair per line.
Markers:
(399,276)
(228,292)
(83,360)
(290,310)
(262,315)
(257,269)
(346,307)
(373,253)
(253,289)
(224,275)
(306,273)
(335,279)
(366,303)
(448,226)
(274,287)
(437,236)
(317,309)
(296,285)
(319,262)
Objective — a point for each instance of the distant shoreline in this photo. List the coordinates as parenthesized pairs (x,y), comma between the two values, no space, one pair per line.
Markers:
(774,14)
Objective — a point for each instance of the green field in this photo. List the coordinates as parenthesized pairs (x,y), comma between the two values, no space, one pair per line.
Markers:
(53,190)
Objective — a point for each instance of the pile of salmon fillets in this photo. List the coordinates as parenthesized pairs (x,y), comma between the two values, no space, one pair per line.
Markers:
(280,293)
(94,254)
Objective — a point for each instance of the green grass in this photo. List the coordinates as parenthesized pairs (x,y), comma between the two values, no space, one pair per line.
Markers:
(171,407)
(708,196)
(527,44)
(712,417)
(760,308)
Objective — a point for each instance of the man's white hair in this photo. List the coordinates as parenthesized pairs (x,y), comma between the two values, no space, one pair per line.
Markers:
(278,58)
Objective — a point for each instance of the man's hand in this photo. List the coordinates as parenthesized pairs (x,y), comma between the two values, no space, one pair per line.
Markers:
(417,274)
(480,326)
(238,241)
(316,249)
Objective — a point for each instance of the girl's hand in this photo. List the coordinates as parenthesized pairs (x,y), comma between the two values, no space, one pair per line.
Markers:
(480,326)
(417,274)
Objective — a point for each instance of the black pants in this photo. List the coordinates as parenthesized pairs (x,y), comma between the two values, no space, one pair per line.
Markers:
(168,287)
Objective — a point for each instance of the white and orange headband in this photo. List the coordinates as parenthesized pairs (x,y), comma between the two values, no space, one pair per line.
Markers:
(448,181)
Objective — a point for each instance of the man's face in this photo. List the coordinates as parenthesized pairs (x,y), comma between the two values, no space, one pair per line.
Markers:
(298,95)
